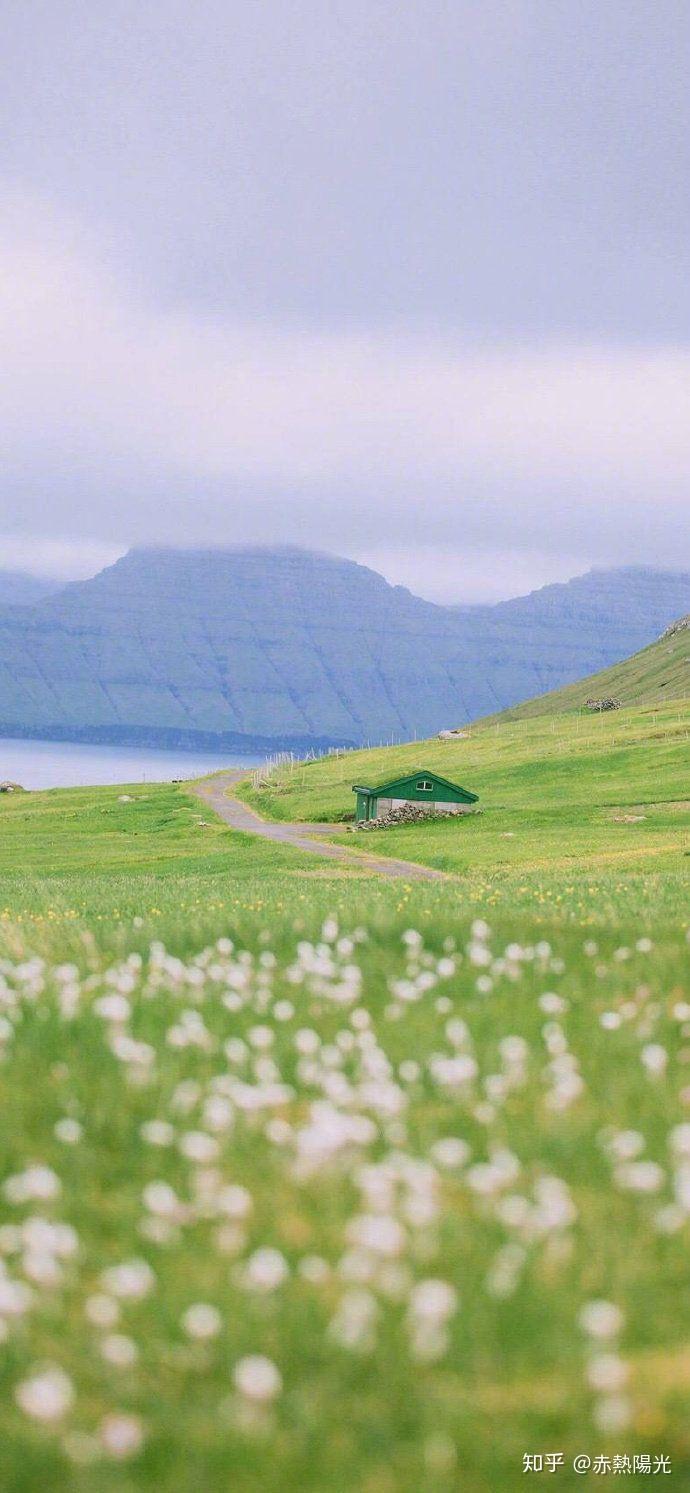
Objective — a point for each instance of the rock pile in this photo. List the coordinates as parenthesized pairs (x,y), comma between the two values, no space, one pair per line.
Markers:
(407,814)
(8,787)
(607,703)
(676,627)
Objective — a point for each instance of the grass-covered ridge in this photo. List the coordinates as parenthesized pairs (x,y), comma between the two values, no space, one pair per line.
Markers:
(654,676)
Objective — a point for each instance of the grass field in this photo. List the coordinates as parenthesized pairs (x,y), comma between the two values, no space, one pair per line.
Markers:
(584,818)
(316,1181)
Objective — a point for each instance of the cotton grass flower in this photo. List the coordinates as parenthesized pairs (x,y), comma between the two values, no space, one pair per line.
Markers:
(607,1373)
(102,1310)
(121,1436)
(46,1395)
(640,1176)
(257,1379)
(36,1184)
(202,1321)
(130,1281)
(119,1350)
(655,1059)
(354,1325)
(431,1305)
(601,1319)
(265,1270)
(16,1297)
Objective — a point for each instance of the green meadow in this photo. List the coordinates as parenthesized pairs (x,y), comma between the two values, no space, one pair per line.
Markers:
(314,1180)
(582,817)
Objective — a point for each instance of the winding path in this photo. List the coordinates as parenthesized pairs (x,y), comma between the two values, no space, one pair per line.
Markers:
(214,792)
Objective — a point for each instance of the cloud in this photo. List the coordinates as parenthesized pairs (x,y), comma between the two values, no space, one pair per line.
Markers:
(63,559)
(124,422)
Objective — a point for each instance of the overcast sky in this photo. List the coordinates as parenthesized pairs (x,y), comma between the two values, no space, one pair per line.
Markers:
(407,282)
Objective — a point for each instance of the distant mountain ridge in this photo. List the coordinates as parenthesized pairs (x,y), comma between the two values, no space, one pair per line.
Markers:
(287,648)
(17,588)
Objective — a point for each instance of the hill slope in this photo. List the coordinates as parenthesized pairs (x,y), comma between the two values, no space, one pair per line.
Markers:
(287,648)
(19,589)
(656,674)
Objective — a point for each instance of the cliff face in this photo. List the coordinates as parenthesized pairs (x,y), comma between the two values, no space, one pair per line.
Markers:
(286,647)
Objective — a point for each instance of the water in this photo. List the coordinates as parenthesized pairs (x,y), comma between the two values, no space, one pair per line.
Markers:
(66,764)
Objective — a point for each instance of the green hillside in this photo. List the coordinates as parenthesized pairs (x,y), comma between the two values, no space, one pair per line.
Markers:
(578,816)
(658,673)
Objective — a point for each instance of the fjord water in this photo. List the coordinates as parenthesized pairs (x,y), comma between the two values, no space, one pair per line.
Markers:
(66,764)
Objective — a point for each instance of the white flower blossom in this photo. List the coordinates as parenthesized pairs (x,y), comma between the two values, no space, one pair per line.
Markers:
(46,1395)
(257,1378)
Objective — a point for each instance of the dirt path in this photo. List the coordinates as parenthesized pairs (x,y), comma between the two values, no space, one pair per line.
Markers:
(214,792)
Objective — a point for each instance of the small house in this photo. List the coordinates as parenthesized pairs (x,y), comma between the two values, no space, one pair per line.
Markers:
(419,787)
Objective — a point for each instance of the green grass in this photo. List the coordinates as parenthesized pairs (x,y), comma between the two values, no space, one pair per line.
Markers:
(657,675)
(571,1020)
(588,818)
(362,1406)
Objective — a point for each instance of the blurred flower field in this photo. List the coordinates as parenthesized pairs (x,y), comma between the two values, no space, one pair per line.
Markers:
(370,1206)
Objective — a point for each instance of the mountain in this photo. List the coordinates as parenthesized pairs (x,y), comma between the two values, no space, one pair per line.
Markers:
(653,676)
(285,648)
(19,589)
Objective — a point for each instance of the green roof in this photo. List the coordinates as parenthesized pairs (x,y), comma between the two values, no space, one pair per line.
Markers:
(385,790)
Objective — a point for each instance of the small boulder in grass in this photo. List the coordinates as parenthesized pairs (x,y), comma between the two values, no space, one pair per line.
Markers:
(125,798)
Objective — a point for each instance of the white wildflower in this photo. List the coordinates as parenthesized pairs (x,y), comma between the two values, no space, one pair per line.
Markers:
(257,1378)
(157,1132)
(196,1145)
(450,1151)
(379,1233)
(15,1297)
(266,1269)
(46,1395)
(640,1176)
(354,1324)
(601,1319)
(121,1436)
(654,1058)
(202,1321)
(131,1280)
(607,1372)
(37,1183)
(113,1007)
(120,1351)
(102,1310)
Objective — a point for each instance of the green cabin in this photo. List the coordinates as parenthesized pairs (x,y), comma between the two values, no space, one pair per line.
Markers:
(421,786)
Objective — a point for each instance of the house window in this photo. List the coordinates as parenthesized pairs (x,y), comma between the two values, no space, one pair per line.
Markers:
(424,785)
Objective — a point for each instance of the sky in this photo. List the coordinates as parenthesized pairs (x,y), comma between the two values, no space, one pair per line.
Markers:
(408,283)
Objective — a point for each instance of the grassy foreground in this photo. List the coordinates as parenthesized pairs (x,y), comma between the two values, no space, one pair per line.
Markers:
(313,1181)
